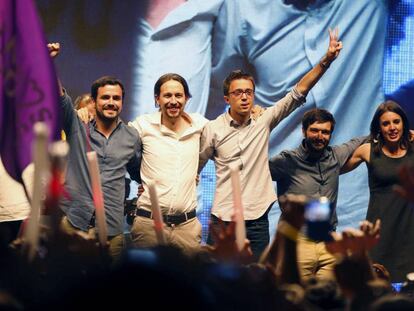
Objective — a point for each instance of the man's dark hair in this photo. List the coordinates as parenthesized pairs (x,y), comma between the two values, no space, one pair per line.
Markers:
(236,75)
(375,128)
(168,77)
(319,116)
(105,81)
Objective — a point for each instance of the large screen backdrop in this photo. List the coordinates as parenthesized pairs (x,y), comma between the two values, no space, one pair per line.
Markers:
(277,41)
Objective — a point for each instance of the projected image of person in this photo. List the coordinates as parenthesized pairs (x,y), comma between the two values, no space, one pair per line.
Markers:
(279,41)
(392,145)
(179,30)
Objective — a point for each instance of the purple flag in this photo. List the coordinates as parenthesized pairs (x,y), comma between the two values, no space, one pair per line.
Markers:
(28,85)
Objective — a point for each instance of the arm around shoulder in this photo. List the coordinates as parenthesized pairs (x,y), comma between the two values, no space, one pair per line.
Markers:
(278,166)
(136,124)
(206,146)
(134,164)
(361,154)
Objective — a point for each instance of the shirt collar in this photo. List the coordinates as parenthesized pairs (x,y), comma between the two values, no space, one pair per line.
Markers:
(93,122)
(233,122)
(181,15)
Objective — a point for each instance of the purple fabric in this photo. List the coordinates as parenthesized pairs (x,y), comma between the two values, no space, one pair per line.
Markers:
(28,85)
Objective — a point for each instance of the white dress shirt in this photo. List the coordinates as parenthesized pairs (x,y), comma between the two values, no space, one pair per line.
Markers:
(171,161)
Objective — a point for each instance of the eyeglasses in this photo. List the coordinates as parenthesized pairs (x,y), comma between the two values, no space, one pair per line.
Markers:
(240,92)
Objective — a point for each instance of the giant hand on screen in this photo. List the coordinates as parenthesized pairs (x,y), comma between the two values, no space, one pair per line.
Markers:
(54,49)
(335,46)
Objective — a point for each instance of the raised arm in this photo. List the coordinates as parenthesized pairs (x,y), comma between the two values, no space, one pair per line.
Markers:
(312,77)
(54,50)
(360,155)
(69,114)
(281,255)
(344,151)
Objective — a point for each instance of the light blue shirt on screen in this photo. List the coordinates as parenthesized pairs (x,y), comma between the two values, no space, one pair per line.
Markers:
(180,44)
(278,43)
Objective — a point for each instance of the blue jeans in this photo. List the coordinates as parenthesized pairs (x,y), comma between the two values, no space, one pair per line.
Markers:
(257,231)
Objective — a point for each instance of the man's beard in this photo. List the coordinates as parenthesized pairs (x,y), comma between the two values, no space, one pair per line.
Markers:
(310,146)
(177,106)
(100,115)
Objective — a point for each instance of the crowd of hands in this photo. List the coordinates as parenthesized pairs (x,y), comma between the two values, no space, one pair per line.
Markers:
(353,269)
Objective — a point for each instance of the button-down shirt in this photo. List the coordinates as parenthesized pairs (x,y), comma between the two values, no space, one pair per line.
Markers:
(185,33)
(171,161)
(296,172)
(281,43)
(120,152)
(246,147)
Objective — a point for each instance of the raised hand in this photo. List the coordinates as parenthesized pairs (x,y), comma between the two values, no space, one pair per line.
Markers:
(225,246)
(354,242)
(293,209)
(54,49)
(335,45)
(371,233)
(84,115)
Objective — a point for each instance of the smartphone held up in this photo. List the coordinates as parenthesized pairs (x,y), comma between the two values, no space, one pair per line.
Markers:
(318,219)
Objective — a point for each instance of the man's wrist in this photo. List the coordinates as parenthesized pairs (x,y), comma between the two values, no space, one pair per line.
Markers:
(287,230)
(325,62)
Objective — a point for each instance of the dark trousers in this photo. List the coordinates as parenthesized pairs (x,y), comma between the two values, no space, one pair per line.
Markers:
(9,231)
(257,231)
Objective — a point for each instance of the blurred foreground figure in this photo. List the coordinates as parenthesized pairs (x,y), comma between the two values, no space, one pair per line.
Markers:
(14,205)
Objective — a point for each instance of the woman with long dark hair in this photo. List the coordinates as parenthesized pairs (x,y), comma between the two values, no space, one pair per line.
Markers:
(391,146)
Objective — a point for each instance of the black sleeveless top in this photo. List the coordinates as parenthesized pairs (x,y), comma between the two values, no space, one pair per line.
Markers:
(395,249)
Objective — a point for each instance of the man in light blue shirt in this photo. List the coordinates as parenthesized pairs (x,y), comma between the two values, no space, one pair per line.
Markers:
(279,40)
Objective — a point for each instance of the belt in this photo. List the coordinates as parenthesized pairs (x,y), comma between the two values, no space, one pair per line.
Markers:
(169,219)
